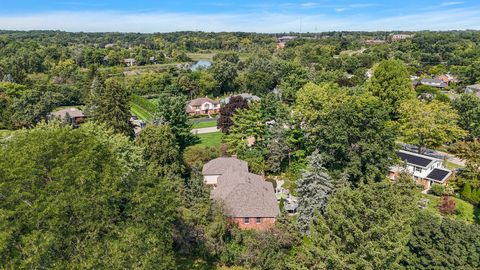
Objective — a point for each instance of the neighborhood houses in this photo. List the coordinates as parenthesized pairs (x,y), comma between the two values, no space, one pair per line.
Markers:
(247,199)
(203,106)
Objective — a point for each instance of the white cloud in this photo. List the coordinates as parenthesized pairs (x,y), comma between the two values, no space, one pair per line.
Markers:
(445,19)
(448,4)
(309,4)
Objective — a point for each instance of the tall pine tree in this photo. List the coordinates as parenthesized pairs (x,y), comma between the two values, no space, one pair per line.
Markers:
(313,190)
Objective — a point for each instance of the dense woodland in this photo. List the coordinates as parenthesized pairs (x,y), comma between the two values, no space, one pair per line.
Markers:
(100,197)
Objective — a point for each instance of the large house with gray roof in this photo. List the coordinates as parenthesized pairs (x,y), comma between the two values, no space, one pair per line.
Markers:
(246,198)
(425,170)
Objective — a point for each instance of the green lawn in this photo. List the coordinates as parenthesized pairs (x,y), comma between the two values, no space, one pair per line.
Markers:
(465,211)
(211,139)
(204,124)
(139,112)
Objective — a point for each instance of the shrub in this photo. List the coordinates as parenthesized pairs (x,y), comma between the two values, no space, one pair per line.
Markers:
(437,190)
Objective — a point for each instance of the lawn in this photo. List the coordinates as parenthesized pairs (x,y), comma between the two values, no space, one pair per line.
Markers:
(204,124)
(211,139)
(465,211)
(139,112)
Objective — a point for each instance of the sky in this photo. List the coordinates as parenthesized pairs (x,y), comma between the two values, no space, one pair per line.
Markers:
(264,16)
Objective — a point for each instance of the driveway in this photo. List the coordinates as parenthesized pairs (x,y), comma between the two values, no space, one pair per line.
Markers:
(205,130)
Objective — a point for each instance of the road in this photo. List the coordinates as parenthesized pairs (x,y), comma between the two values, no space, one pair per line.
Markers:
(205,130)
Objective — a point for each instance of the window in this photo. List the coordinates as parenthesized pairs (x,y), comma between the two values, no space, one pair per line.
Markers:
(246,220)
(418,169)
(258,220)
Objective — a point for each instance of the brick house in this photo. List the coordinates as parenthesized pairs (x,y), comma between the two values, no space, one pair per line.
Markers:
(202,106)
(219,166)
(247,199)
(425,170)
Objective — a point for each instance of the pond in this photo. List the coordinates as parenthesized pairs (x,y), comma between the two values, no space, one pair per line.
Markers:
(201,64)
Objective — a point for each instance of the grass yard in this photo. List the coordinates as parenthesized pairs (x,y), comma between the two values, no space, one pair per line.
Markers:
(211,139)
(464,210)
(139,112)
(204,124)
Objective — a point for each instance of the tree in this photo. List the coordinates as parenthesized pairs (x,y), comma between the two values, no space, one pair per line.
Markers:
(110,105)
(225,74)
(225,121)
(278,148)
(428,125)
(469,151)
(171,111)
(468,108)
(161,151)
(353,132)
(447,206)
(391,84)
(362,228)
(85,199)
(197,156)
(313,190)
(247,124)
(442,243)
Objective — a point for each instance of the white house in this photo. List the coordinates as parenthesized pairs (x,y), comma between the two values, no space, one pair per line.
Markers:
(426,170)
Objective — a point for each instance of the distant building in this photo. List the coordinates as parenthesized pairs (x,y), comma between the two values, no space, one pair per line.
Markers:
(399,37)
(437,83)
(246,96)
(374,42)
(130,62)
(75,115)
(425,170)
(203,106)
(447,78)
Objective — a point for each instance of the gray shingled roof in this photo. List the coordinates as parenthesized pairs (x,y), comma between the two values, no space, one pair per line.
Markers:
(244,194)
(224,164)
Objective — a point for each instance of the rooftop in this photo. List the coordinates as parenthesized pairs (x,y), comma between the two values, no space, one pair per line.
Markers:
(72,112)
(244,194)
(223,165)
(416,159)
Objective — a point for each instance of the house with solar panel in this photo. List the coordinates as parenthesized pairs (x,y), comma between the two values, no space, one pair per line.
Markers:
(425,170)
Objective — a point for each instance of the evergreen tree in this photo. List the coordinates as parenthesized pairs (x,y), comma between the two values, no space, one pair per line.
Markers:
(171,111)
(110,105)
(313,190)
(361,228)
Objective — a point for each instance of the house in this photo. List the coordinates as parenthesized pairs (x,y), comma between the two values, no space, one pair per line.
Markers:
(76,115)
(247,96)
(425,170)
(247,199)
(130,62)
(433,83)
(374,42)
(219,166)
(203,106)
(447,78)
(399,37)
